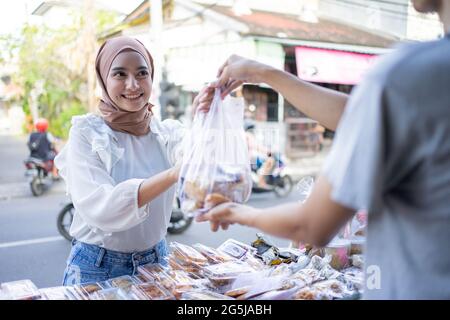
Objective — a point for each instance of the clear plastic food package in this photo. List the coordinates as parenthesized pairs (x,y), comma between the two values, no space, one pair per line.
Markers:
(150,291)
(123,282)
(216,165)
(340,253)
(20,290)
(109,294)
(187,255)
(213,255)
(224,273)
(235,249)
(57,293)
(204,295)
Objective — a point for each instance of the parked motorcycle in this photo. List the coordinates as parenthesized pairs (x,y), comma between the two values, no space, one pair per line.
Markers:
(39,174)
(278,182)
(179,222)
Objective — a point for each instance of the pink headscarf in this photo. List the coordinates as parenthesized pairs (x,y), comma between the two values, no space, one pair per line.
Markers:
(136,122)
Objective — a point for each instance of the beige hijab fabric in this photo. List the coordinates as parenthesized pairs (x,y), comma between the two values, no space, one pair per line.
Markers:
(136,122)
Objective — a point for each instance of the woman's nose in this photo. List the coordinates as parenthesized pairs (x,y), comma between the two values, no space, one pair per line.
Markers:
(132,83)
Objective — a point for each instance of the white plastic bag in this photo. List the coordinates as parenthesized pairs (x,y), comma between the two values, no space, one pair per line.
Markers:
(216,165)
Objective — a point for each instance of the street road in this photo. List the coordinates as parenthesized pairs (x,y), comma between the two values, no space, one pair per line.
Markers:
(30,246)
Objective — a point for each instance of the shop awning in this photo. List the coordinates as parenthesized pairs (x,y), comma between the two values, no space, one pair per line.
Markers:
(332,66)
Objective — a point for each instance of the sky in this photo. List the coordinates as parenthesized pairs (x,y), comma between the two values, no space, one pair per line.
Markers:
(14,13)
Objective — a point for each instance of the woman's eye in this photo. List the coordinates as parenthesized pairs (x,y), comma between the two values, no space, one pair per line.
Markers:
(143,73)
(119,74)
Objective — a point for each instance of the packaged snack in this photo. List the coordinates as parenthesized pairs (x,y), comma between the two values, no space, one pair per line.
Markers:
(215,166)
(73,294)
(357,245)
(266,284)
(327,272)
(302,262)
(182,277)
(235,248)
(318,263)
(139,278)
(270,254)
(277,295)
(253,262)
(123,282)
(279,270)
(357,261)
(234,293)
(20,290)
(353,278)
(204,295)
(333,288)
(85,290)
(151,271)
(309,293)
(151,291)
(187,254)
(213,255)
(55,293)
(109,294)
(177,264)
(181,282)
(308,276)
(224,273)
(340,252)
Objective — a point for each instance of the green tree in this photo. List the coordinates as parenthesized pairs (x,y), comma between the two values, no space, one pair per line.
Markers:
(62,61)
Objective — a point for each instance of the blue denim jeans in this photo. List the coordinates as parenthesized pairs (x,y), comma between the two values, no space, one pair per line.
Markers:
(89,263)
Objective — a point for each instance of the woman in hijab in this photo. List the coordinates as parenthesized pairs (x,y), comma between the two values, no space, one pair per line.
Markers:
(120,170)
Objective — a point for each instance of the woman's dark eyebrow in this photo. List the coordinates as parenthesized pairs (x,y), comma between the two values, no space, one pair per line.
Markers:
(124,69)
(118,69)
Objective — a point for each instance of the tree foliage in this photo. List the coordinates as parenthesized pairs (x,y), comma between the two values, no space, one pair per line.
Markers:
(58,59)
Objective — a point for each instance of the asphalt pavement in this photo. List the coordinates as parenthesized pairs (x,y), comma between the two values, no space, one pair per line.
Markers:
(30,246)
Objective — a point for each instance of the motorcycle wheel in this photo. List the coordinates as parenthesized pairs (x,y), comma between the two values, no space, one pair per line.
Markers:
(179,222)
(37,188)
(64,221)
(283,186)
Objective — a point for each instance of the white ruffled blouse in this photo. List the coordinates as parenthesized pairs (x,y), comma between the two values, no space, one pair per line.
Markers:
(103,170)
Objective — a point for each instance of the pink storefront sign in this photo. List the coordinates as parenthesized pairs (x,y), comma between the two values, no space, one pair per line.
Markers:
(332,66)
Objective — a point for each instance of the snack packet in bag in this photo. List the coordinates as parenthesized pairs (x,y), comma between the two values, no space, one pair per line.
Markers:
(216,165)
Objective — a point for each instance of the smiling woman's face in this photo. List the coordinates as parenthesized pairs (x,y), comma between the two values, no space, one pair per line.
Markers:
(129,82)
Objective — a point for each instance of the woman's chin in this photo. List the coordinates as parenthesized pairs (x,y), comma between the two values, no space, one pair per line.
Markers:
(133,106)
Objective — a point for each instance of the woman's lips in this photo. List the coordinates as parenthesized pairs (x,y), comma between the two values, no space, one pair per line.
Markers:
(132,96)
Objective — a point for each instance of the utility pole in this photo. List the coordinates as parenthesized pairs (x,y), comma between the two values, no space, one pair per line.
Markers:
(156,28)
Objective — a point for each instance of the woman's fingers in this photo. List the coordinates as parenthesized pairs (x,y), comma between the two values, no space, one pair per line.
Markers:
(204,99)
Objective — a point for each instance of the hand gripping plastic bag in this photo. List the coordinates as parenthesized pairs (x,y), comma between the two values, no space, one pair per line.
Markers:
(216,165)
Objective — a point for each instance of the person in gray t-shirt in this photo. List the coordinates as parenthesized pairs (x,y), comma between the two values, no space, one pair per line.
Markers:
(391,157)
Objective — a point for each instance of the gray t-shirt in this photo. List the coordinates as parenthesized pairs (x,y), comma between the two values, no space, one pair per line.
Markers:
(391,156)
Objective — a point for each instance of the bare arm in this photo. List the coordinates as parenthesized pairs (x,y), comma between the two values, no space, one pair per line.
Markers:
(323,105)
(157,184)
(314,222)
